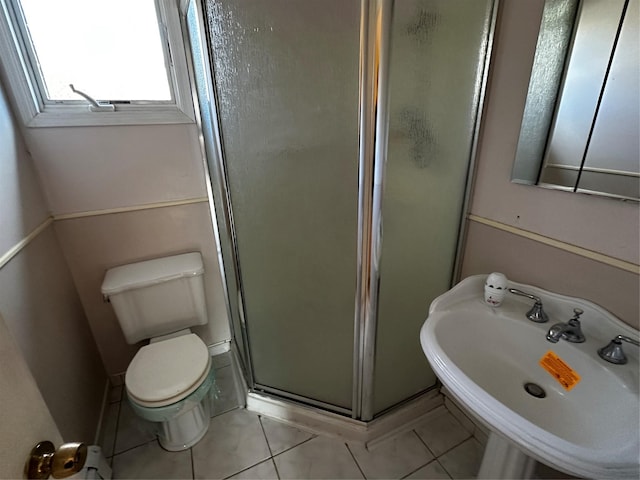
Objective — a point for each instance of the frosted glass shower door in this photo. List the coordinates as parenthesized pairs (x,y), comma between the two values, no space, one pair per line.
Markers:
(437,57)
(286,80)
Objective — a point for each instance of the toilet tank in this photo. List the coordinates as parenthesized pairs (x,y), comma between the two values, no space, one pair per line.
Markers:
(157,297)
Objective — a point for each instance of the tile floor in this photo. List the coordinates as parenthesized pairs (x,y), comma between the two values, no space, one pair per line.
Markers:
(242,444)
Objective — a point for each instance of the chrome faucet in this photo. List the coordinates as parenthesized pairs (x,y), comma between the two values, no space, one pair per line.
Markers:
(613,351)
(570,331)
(536,314)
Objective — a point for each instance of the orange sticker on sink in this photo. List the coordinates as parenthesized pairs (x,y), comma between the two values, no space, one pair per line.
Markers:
(558,369)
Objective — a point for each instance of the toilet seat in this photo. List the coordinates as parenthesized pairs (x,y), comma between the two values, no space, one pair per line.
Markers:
(167,371)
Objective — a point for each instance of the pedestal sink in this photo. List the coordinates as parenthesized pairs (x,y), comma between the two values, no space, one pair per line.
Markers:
(489,358)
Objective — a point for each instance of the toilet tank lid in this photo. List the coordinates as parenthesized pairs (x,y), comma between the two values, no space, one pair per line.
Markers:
(150,272)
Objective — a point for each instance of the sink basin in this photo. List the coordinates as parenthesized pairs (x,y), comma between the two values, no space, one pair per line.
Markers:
(485,356)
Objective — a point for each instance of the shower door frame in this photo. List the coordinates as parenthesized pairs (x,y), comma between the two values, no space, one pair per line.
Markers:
(375,39)
(373,124)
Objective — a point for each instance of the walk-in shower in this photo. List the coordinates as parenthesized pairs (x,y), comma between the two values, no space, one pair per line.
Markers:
(321,118)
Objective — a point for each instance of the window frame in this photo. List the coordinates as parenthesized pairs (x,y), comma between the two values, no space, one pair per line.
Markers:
(22,80)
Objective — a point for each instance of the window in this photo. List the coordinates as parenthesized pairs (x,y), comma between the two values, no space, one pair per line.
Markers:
(98,62)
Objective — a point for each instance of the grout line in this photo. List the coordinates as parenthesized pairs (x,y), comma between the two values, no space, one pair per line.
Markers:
(355,460)
(295,446)
(193,468)
(290,448)
(104,412)
(470,437)
(436,457)
(248,468)
(434,460)
(453,448)
(265,435)
(425,444)
(225,412)
(445,469)
(275,466)
(137,446)
(115,433)
(115,437)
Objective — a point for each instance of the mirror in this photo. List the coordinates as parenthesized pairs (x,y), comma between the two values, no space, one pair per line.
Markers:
(581,123)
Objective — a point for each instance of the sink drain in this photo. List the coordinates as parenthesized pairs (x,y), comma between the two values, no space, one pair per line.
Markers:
(535,390)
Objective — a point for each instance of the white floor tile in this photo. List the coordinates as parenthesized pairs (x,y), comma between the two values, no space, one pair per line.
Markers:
(394,458)
(464,460)
(545,472)
(319,458)
(459,414)
(282,437)
(227,393)
(233,443)
(222,360)
(433,471)
(133,431)
(263,471)
(108,429)
(239,444)
(442,433)
(151,461)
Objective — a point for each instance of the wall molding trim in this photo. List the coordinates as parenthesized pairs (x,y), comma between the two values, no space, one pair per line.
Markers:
(14,250)
(583,252)
(134,208)
(17,248)
(598,257)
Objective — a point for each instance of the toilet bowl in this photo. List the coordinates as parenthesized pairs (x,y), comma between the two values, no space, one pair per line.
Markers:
(168,381)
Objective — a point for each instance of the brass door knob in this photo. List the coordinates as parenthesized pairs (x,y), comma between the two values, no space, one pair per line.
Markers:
(40,460)
(45,460)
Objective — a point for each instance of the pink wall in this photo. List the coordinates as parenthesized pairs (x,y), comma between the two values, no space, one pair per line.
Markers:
(95,168)
(92,170)
(38,300)
(602,225)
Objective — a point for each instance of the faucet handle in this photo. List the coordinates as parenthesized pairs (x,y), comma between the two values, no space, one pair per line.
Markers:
(574,333)
(613,352)
(536,314)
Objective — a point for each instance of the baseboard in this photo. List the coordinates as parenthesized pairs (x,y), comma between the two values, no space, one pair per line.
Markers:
(406,417)
(370,434)
(468,421)
(117,379)
(103,412)
(240,382)
(219,348)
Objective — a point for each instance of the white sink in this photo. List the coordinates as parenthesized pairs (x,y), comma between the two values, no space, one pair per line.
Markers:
(484,356)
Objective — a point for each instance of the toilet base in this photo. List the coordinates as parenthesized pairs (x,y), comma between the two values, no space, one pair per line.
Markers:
(185,430)
(182,424)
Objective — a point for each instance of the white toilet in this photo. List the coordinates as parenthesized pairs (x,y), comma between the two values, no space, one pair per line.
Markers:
(169,380)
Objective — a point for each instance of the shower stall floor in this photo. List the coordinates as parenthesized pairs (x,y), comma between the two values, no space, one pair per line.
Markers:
(242,444)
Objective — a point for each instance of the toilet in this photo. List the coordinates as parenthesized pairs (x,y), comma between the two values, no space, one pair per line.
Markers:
(169,380)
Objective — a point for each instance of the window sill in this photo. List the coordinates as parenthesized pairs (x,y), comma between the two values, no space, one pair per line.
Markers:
(62,117)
